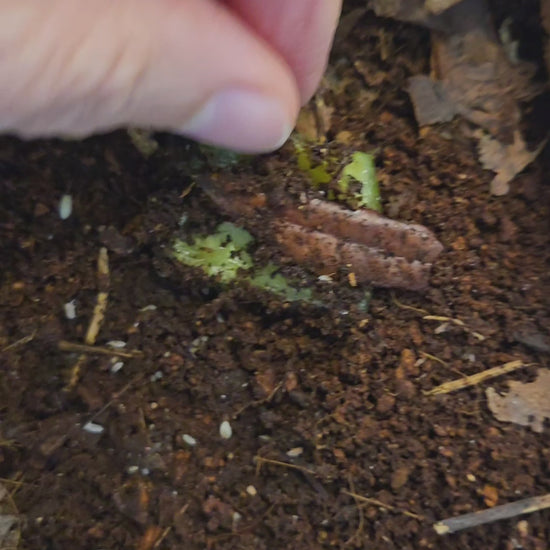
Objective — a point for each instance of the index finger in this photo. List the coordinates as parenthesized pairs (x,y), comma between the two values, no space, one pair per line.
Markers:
(301,31)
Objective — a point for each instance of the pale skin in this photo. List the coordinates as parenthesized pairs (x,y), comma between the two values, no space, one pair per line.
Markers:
(232,73)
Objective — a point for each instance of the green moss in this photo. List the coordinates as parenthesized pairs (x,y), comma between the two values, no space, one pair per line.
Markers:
(319,174)
(362,169)
(268,279)
(221,254)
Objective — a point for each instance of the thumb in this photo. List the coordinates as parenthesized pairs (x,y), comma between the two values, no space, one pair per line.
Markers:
(69,67)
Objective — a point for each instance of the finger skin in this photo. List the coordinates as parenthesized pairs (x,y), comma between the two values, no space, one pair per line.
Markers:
(73,67)
(300,30)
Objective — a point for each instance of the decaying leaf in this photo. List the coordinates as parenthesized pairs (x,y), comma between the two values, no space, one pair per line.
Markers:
(525,404)
(415,11)
(471,72)
(9,522)
(506,160)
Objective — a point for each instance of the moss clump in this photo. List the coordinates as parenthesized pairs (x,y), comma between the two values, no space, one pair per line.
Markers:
(319,175)
(268,279)
(362,169)
(221,254)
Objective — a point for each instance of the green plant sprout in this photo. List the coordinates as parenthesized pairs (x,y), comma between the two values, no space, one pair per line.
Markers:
(223,255)
(319,174)
(362,169)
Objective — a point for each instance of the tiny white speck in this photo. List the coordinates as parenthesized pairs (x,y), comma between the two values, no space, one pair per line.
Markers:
(225,430)
(325,278)
(116,344)
(189,439)
(236,517)
(155,377)
(93,428)
(70,310)
(132,469)
(145,471)
(150,307)
(117,366)
(65,206)
(251,490)
(296,451)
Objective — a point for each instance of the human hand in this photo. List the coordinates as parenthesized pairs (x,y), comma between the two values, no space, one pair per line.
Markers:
(232,73)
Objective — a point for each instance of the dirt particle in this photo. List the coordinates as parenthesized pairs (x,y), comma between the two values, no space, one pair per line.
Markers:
(400,477)
(385,403)
(490,495)
(407,362)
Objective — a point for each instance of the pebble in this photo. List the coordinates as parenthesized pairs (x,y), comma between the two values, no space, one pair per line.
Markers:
(117,366)
(93,428)
(70,310)
(65,208)
(296,451)
(116,344)
(189,439)
(225,430)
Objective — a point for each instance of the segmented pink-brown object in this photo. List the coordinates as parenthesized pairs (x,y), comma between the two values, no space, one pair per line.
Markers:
(327,237)
(326,253)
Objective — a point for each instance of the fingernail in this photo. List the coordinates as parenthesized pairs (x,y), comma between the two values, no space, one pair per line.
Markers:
(242,120)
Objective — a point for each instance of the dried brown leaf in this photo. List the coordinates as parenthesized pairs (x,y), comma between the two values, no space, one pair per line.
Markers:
(525,404)
(506,160)
(9,521)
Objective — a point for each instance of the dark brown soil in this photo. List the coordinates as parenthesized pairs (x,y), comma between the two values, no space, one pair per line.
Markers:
(331,396)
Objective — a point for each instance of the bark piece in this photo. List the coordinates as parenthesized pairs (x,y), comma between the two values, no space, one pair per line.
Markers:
(327,237)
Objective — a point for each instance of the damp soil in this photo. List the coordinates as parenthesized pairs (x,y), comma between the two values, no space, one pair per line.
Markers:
(325,400)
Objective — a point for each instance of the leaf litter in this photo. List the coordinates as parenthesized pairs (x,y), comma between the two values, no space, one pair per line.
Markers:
(526,404)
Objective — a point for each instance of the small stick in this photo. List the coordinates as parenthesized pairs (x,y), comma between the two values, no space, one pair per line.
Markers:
(505,511)
(456,322)
(380,504)
(361,525)
(102,295)
(478,378)
(20,342)
(261,460)
(103,283)
(259,402)
(63,345)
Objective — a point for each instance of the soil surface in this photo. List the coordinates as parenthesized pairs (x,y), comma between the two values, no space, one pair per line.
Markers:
(325,401)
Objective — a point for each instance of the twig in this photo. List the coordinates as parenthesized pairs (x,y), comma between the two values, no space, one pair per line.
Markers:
(63,345)
(116,396)
(405,306)
(361,525)
(380,504)
(478,378)
(434,358)
(456,322)
(103,283)
(427,317)
(259,401)
(20,342)
(505,511)
(261,460)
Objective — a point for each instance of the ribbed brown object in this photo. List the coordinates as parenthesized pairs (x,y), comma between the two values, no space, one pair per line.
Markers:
(327,237)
